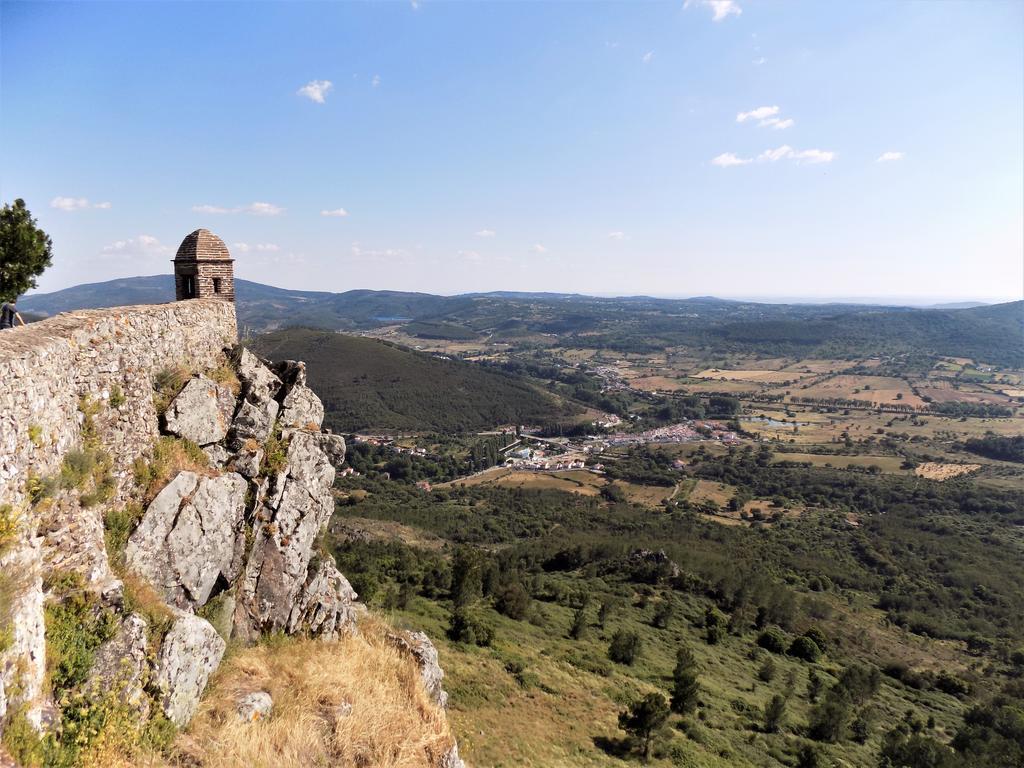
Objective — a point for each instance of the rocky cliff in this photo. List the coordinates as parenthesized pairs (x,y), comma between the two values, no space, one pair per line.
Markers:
(173,504)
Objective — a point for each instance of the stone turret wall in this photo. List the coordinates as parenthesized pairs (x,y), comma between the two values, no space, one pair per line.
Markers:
(47,368)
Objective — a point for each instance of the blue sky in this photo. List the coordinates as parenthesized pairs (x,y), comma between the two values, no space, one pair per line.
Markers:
(731,148)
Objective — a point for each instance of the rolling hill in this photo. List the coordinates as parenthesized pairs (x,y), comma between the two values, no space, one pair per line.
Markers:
(993,333)
(369,384)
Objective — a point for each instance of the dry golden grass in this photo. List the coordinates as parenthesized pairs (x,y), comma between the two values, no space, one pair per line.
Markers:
(935,471)
(392,723)
(761,376)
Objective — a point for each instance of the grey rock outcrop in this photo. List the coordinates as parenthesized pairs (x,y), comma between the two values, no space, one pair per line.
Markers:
(201,412)
(423,651)
(191,536)
(190,653)
(326,605)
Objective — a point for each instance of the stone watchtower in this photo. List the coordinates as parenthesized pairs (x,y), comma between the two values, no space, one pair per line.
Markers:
(203,268)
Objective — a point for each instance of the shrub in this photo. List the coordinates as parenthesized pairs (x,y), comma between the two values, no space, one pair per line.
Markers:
(469,629)
(76,625)
(643,720)
(170,456)
(35,435)
(804,648)
(767,671)
(774,713)
(118,525)
(167,383)
(625,647)
(117,398)
(773,640)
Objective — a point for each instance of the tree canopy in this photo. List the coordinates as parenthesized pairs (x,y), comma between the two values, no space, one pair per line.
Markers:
(25,250)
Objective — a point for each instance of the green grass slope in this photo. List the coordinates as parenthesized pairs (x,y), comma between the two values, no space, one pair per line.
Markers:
(369,384)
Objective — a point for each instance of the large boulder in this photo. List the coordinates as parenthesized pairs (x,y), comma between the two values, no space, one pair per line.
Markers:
(326,606)
(423,652)
(302,408)
(258,382)
(191,651)
(253,422)
(191,536)
(201,412)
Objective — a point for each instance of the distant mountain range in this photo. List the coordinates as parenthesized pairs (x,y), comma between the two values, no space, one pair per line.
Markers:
(993,333)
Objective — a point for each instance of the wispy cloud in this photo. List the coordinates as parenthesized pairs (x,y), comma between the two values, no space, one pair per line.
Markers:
(76,204)
(538,248)
(485,232)
(616,235)
(720,9)
(338,213)
(785,152)
(141,247)
(260,247)
(728,160)
(888,157)
(375,81)
(415,4)
(253,209)
(647,57)
(759,61)
(376,254)
(316,90)
(470,255)
(767,117)
(761,113)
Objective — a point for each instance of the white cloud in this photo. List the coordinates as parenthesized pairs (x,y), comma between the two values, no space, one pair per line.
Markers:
(75,204)
(538,248)
(778,123)
(888,157)
(255,209)
(337,213)
(648,56)
(720,9)
(143,246)
(616,235)
(759,61)
(814,156)
(316,90)
(800,156)
(470,255)
(485,232)
(263,209)
(728,160)
(374,254)
(260,247)
(761,113)
(785,152)
(415,4)
(376,81)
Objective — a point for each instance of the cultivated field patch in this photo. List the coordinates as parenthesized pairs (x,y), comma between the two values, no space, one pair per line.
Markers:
(934,471)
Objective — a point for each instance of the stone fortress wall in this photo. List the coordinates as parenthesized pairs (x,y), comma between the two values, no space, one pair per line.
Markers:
(50,372)
(47,370)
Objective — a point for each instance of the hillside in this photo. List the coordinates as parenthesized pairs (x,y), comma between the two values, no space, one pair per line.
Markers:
(989,333)
(369,384)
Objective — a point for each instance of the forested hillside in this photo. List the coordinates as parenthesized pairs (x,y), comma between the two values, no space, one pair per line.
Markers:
(370,384)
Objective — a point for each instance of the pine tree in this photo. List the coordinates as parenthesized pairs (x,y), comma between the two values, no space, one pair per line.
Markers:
(25,250)
(685,687)
(643,719)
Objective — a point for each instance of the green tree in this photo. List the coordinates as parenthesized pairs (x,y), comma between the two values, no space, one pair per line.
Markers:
(624,647)
(467,583)
(579,623)
(774,713)
(643,719)
(685,687)
(25,250)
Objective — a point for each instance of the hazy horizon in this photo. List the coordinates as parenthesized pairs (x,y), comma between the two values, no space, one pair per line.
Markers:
(735,148)
(895,301)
